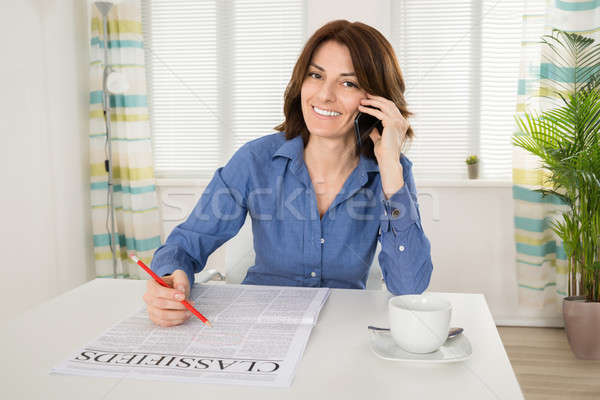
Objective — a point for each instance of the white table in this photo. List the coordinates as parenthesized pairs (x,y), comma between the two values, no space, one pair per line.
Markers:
(338,362)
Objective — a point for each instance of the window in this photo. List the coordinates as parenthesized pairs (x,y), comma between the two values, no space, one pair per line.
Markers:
(460,60)
(216,72)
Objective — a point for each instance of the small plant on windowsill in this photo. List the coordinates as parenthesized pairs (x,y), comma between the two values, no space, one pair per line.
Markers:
(473,166)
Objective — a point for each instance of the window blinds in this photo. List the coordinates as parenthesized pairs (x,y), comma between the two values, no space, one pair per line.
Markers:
(433,45)
(216,74)
(500,61)
(180,40)
(267,38)
(460,60)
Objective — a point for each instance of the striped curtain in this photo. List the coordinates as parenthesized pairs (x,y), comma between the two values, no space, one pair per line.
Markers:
(541,259)
(137,214)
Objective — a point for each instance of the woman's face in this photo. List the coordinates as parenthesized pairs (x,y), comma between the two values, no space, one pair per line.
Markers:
(330,85)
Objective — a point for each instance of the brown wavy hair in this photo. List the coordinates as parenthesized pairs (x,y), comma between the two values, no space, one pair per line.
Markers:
(375,65)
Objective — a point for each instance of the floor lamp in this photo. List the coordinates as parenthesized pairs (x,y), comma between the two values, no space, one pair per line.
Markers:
(113,82)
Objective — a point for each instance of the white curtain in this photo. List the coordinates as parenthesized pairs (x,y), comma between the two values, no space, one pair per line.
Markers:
(541,260)
(137,214)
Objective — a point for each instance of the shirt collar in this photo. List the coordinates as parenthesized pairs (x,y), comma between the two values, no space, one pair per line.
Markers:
(292,148)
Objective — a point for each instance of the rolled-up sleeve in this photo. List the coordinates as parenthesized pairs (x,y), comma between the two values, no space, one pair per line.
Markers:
(217,217)
(405,256)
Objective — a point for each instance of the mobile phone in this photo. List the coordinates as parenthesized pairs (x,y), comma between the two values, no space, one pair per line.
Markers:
(364,124)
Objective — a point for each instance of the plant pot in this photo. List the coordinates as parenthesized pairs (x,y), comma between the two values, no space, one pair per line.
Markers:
(582,324)
(473,170)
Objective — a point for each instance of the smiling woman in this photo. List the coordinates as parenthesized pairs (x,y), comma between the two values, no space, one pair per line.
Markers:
(319,201)
(355,57)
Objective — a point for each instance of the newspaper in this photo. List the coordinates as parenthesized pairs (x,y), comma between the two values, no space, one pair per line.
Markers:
(258,337)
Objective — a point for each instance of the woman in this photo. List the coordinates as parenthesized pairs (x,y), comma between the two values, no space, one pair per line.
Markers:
(318,202)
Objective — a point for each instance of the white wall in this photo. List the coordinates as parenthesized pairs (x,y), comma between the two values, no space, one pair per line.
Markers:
(471,230)
(45,234)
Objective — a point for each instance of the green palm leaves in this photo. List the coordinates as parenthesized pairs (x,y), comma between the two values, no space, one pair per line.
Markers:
(566,139)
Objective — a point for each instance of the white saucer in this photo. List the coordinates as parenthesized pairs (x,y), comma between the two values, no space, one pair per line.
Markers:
(455,349)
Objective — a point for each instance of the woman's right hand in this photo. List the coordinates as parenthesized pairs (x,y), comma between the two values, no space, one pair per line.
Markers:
(164,304)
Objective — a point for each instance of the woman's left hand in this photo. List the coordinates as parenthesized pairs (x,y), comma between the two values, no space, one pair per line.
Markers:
(387,144)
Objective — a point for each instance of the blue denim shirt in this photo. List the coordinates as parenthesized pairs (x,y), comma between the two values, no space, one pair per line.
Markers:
(294,246)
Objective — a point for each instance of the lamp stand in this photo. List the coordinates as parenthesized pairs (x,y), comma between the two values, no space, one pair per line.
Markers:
(104,7)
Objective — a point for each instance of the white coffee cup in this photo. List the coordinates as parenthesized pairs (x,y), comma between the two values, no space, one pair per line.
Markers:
(419,323)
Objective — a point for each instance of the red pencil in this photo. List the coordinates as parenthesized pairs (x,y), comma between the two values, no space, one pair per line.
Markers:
(163,283)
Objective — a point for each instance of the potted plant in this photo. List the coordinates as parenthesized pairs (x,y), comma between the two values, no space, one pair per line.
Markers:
(567,140)
(473,166)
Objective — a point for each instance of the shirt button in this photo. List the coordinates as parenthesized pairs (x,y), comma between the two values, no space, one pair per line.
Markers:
(401,248)
(322,240)
(396,212)
(384,212)
(313,274)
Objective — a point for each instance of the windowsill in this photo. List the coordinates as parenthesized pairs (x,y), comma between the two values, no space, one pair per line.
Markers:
(486,183)
(469,183)
(166,182)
